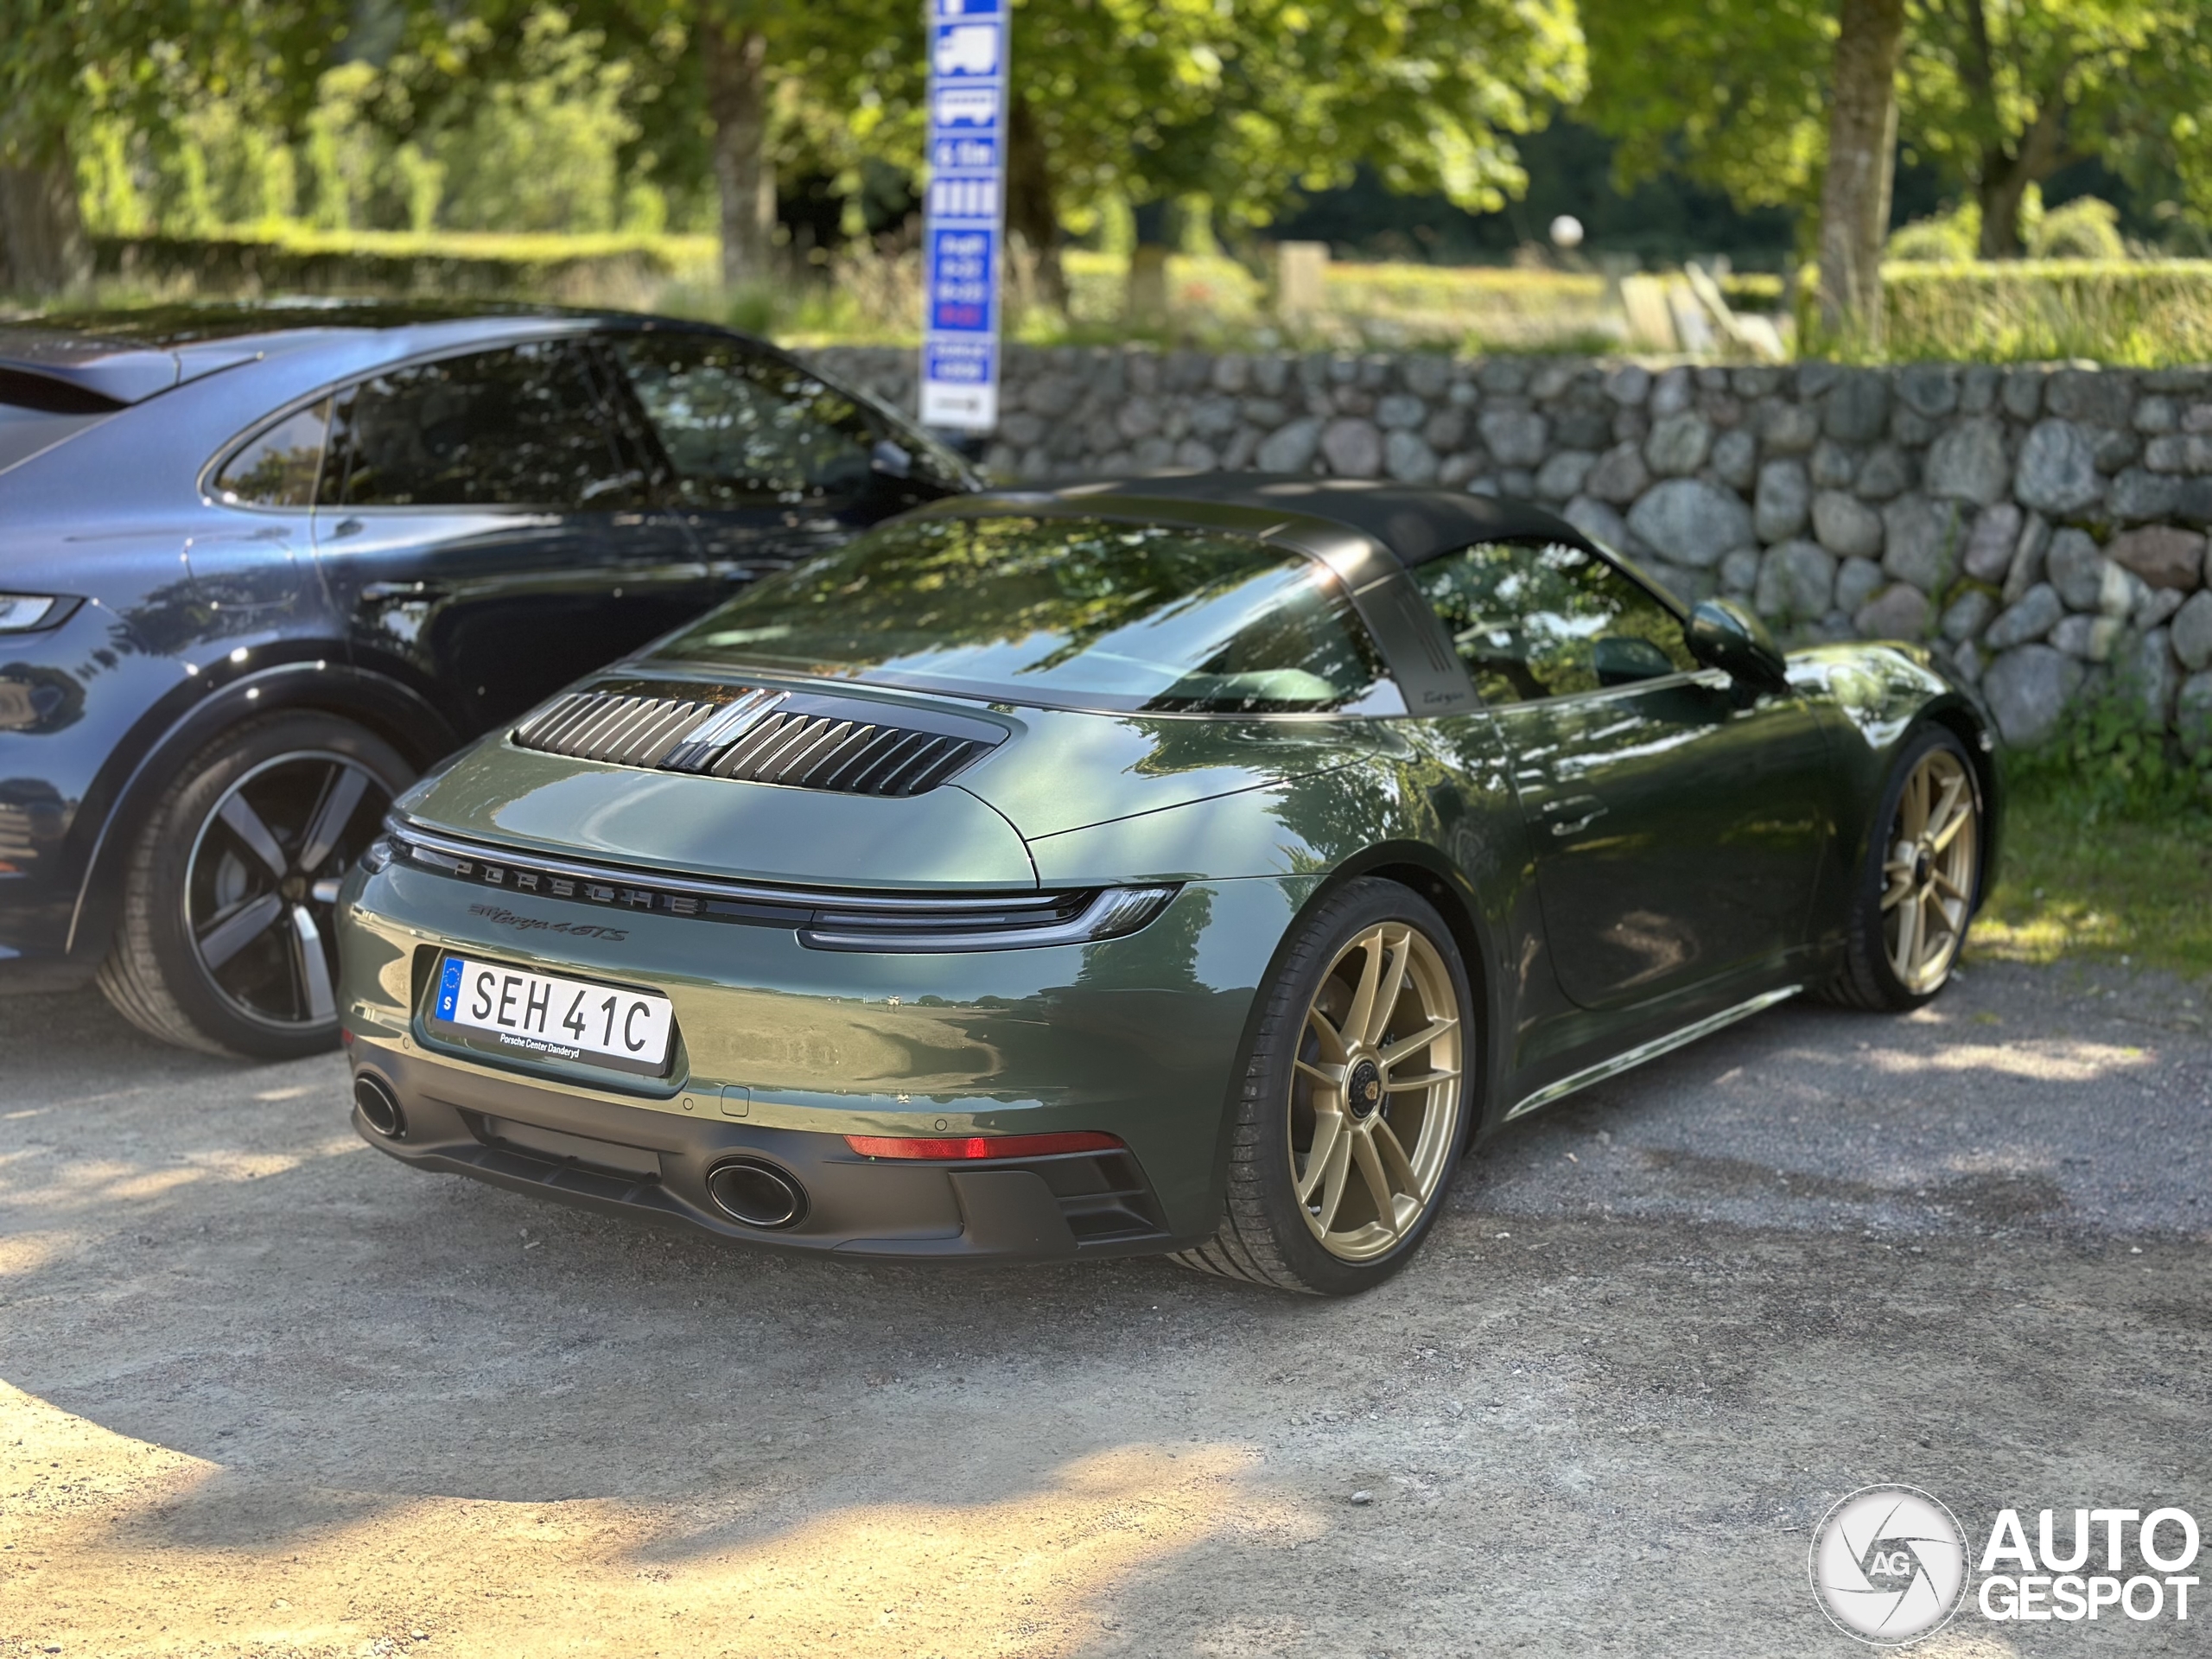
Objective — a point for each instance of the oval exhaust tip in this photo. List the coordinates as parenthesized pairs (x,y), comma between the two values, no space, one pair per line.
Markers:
(758,1194)
(378,1107)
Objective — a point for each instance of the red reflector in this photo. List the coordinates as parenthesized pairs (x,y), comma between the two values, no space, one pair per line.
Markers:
(983,1145)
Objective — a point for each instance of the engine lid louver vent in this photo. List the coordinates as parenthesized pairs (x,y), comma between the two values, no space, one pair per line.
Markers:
(753,734)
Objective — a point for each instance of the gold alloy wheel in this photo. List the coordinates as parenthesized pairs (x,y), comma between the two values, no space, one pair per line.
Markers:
(1376,1093)
(1934,856)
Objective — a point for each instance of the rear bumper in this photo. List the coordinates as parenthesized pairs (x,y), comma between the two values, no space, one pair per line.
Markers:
(1137,1037)
(654,1165)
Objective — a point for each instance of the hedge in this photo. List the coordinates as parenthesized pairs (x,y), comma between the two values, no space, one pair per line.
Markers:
(392,261)
(2144,314)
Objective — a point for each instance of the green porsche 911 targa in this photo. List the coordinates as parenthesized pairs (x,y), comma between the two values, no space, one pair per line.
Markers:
(1197,865)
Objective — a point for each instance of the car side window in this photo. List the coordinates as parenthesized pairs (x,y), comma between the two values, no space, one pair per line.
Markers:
(1543,620)
(522,427)
(742,430)
(277,466)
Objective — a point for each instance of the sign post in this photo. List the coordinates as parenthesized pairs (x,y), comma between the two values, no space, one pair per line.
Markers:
(963,234)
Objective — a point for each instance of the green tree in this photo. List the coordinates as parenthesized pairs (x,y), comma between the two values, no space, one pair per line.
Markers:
(1733,92)
(539,149)
(1780,103)
(1158,100)
(66,69)
(758,59)
(1300,93)
(2002,93)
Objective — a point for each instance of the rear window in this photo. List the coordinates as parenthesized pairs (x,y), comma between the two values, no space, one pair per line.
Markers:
(279,465)
(1080,613)
(36,414)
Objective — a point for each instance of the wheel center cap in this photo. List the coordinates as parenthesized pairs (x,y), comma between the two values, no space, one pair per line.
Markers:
(1364,1088)
(293,888)
(1923,862)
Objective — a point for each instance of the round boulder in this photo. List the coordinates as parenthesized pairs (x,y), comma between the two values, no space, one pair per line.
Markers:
(2027,689)
(1796,582)
(1689,522)
(2057,471)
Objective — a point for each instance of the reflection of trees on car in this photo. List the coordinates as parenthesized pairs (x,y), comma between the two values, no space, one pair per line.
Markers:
(1131,615)
(1546,620)
(742,428)
(525,426)
(33,816)
(35,698)
(278,466)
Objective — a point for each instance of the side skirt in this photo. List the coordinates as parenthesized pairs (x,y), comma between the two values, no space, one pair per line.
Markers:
(1650,1051)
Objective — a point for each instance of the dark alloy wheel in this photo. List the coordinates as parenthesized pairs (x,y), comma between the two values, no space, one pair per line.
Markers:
(1354,1114)
(227,942)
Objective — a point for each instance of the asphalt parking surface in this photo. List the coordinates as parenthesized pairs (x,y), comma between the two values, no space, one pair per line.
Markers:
(263,1391)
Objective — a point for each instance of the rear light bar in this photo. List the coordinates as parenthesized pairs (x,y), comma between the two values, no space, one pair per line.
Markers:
(869,921)
(968,1147)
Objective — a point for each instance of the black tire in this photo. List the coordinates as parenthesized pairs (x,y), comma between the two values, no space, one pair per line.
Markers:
(1868,980)
(217,871)
(1265,1236)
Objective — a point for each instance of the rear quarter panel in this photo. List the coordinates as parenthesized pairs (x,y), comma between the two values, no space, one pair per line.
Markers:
(1878,695)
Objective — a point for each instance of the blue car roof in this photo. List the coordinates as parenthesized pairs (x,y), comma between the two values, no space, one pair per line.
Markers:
(116,357)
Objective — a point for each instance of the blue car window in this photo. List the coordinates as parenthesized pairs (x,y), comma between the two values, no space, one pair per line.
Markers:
(1548,621)
(522,426)
(278,466)
(742,430)
(1067,612)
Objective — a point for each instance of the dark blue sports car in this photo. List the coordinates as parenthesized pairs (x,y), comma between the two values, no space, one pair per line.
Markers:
(259,566)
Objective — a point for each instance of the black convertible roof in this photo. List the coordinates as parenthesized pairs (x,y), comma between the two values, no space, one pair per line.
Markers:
(1416,525)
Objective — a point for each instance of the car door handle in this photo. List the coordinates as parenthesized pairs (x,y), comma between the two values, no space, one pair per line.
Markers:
(1573,814)
(346,527)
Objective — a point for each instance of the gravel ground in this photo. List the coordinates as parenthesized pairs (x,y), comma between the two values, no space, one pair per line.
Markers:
(266,1392)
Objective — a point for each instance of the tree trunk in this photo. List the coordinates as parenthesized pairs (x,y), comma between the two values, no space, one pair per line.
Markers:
(1862,163)
(43,246)
(2000,189)
(1031,211)
(1145,303)
(735,62)
(2005,176)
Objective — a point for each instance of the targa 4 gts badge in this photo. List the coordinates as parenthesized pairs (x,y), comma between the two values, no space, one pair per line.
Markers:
(500,915)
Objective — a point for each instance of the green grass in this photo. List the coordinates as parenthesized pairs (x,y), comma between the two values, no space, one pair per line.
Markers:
(2076,883)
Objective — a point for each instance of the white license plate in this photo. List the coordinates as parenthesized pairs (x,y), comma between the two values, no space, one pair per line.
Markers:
(547,1016)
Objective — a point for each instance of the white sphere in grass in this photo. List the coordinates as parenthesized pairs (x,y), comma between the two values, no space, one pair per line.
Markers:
(1567,231)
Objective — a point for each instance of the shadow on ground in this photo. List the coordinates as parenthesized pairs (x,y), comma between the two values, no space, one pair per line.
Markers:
(269,1391)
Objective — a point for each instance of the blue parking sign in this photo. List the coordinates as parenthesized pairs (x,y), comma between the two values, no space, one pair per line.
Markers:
(963,212)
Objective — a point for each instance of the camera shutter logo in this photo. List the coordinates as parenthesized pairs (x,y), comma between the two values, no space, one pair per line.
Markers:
(1889,1565)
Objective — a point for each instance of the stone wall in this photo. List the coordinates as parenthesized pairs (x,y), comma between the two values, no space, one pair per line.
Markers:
(2041,526)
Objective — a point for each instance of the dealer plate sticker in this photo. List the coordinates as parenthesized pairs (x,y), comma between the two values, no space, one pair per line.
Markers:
(546,1016)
